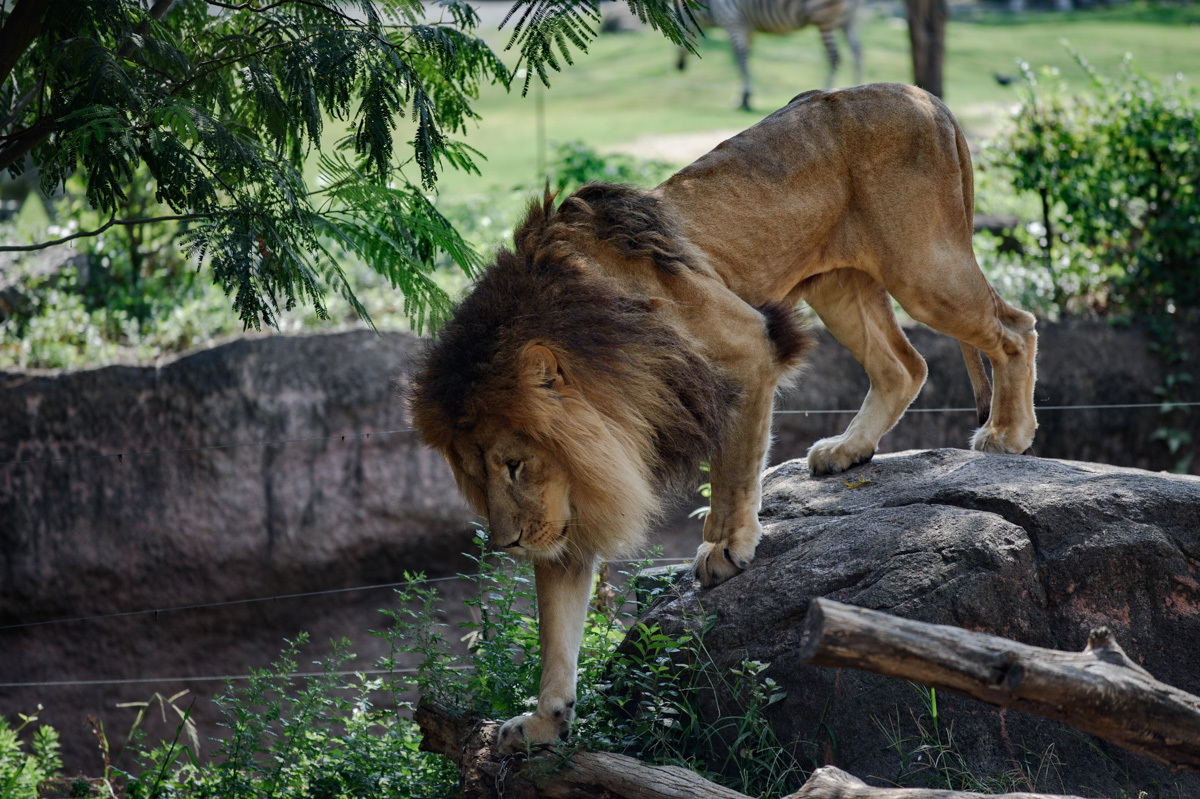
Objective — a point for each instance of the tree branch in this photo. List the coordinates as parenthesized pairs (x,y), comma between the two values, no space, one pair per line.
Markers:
(20,106)
(157,11)
(87,233)
(20,29)
(1100,691)
(833,783)
(26,140)
(248,6)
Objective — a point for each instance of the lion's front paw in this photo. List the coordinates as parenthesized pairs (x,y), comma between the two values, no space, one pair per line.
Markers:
(717,562)
(837,454)
(533,730)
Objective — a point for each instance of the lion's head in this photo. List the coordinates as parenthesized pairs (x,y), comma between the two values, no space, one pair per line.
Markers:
(567,407)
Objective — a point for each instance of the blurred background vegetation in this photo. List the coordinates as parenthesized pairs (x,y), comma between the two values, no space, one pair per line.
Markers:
(1083,124)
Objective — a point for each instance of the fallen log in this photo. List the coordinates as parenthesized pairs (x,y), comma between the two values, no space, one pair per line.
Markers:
(1100,690)
(829,782)
(483,774)
(471,744)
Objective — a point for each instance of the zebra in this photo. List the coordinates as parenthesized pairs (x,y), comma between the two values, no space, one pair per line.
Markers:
(742,18)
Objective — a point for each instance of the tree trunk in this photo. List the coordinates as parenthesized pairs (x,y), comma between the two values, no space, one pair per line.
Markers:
(927,36)
(1100,690)
(23,25)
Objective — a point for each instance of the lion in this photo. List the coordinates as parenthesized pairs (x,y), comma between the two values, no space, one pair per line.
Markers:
(630,334)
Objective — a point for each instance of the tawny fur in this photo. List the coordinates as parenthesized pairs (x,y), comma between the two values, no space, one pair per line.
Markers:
(643,406)
(631,334)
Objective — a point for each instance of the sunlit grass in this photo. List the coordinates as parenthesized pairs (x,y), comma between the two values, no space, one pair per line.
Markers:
(627,87)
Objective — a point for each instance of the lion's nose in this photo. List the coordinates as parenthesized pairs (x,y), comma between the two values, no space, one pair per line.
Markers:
(507,536)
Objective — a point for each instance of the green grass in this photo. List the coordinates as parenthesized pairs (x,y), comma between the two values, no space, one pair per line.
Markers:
(627,87)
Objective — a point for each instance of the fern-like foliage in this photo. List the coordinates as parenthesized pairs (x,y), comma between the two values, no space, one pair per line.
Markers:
(222,103)
(545,31)
(22,773)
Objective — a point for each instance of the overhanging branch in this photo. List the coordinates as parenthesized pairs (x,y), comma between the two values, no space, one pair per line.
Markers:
(20,29)
(87,233)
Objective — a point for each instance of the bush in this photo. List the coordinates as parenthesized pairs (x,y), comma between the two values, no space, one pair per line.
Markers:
(341,734)
(575,163)
(22,773)
(1114,173)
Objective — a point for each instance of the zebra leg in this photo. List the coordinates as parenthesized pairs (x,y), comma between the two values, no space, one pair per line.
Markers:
(831,53)
(851,34)
(681,63)
(739,37)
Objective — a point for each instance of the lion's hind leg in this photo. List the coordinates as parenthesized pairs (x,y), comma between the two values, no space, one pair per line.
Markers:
(858,312)
(1011,424)
(957,300)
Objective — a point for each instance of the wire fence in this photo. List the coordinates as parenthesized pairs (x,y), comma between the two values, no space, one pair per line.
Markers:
(364,435)
(1164,406)
(250,600)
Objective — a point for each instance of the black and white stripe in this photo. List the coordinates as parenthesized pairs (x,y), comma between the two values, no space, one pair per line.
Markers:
(743,18)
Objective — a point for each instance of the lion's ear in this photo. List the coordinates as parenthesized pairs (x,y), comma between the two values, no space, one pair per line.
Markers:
(540,368)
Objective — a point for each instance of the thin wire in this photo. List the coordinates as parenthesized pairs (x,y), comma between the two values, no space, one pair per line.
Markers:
(1166,406)
(342,436)
(230,677)
(1126,406)
(1132,406)
(298,675)
(226,603)
(252,600)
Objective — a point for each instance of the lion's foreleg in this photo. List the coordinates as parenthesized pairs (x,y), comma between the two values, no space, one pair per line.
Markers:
(563,592)
(731,529)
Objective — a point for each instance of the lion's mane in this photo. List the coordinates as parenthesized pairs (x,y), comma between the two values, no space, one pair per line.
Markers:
(643,407)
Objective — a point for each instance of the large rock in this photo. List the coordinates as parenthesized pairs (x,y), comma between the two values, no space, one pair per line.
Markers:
(1039,551)
(268,466)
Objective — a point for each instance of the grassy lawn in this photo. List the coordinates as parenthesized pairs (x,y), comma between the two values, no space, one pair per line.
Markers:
(627,89)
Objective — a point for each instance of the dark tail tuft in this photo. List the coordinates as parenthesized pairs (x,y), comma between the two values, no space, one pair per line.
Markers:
(788,332)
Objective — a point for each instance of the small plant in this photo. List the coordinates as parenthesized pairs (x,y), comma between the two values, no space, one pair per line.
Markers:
(575,163)
(929,757)
(22,772)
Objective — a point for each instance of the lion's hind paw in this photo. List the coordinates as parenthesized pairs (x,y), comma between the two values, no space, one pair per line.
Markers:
(1005,442)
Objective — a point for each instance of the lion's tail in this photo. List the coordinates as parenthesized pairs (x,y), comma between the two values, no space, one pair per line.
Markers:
(980,383)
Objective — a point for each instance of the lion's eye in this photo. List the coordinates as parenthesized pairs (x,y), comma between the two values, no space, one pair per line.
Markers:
(514,468)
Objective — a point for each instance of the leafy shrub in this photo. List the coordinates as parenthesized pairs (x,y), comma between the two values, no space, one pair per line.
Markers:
(321,736)
(575,163)
(22,772)
(650,699)
(1115,175)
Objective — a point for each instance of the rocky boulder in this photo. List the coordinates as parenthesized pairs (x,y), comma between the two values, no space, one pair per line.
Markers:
(1039,551)
(268,468)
